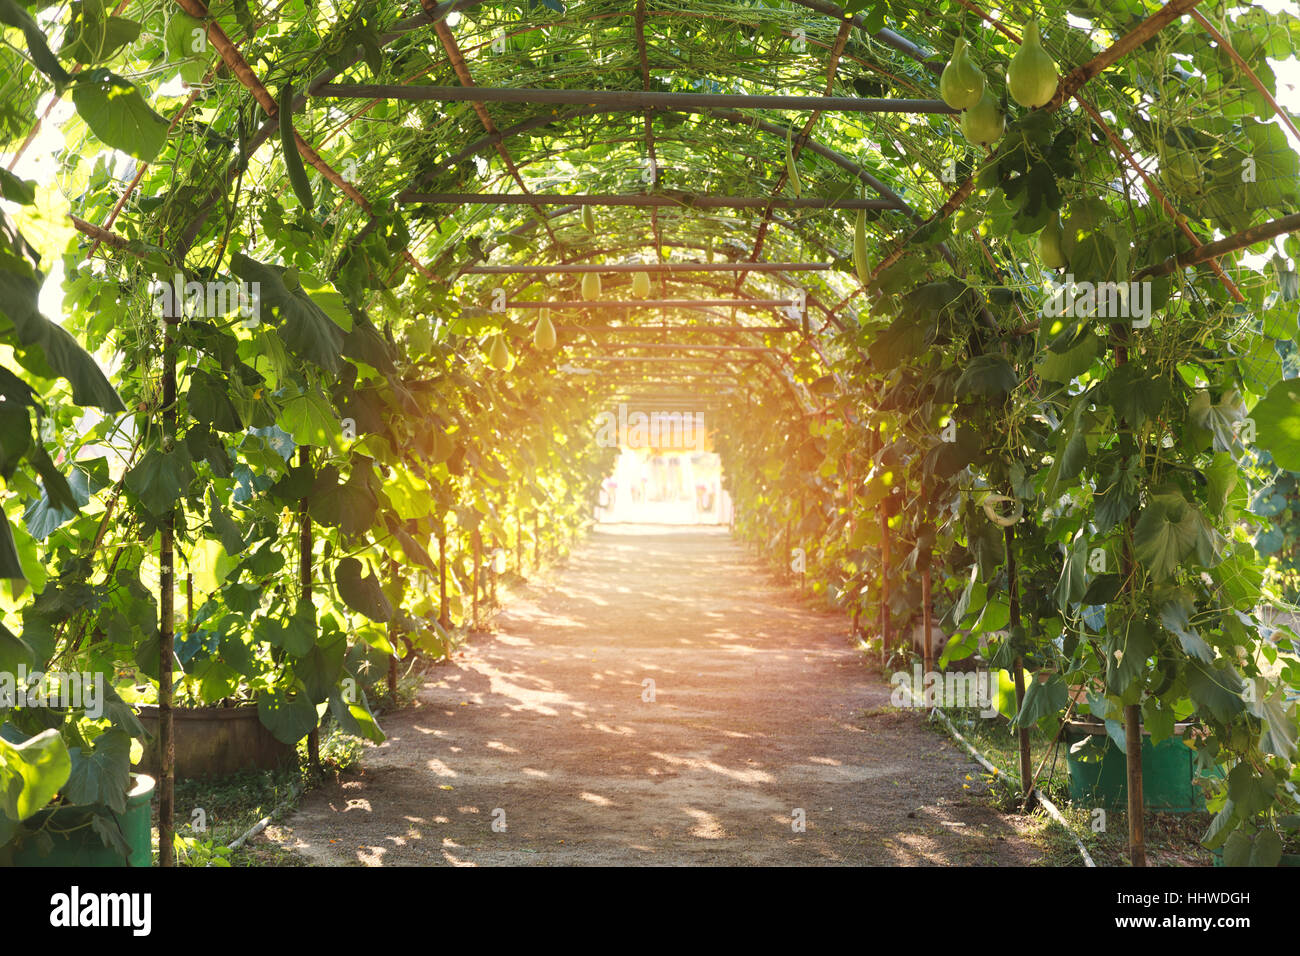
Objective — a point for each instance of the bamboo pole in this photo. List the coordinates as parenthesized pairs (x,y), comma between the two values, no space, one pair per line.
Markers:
(167,622)
(1018,675)
(652,200)
(444,613)
(625,99)
(305,590)
(650,267)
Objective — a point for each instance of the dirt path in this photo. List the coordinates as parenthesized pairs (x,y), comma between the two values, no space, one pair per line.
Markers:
(761,709)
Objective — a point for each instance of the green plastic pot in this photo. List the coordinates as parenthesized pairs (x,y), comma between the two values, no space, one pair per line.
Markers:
(1167,773)
(76,844)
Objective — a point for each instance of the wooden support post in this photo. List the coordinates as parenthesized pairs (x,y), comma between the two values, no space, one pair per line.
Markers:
(1018,675)
(927,613)
(444,613)
(884,585)
(1137,840)
(167,627)
(305,545)
(478,559)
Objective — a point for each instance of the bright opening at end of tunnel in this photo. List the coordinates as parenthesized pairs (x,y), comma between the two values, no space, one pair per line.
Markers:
(666,471)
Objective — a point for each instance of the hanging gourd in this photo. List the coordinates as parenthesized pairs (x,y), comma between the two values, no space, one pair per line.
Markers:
(589,219)
(962,82)
(544,334)
(984,123)
(498,354)
(591,286)
(860,248)
(1049,243)
(1032,77)
(791,167)
(641,285)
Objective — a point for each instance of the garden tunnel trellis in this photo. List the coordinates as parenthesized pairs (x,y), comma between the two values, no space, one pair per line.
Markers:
(836,349)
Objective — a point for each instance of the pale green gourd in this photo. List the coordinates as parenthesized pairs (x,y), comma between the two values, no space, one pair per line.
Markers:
(984,122)
(962,82)
(1032,77)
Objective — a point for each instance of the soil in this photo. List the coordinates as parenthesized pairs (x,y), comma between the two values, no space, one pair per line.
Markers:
(764,714)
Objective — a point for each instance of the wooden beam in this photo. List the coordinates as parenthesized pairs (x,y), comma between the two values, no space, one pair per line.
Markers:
(651,267)
(710,329)
(650,304)
(626,99)
(673,346)
(685,201)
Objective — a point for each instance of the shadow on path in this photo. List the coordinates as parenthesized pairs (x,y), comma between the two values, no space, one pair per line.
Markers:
(761,709)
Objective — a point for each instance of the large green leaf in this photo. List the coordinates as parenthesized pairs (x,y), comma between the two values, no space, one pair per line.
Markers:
(13,15)
(288,713)
(320,668)
(1277,423)
(356,719)
(116,112)
(306,329)
(985,376)
(362,594)
(50,350)
(1169,532)
(158,479)
(31,773)
(104,774)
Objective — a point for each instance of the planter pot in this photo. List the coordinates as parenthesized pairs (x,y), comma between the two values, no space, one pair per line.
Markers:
(1167,773)
(76,844)
(216,742)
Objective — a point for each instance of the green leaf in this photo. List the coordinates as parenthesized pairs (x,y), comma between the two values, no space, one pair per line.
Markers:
(350,506)
(21,191)
(231,537)
(210,404)
(104,775)
(310,419)
(1128,646)
(356,719)
(1277,423)
(1170,531)
(320,668)
(1215,688)
(50,350)
(13,15)
(31,773)
(1073,362)
(1174,616)
(1267,849)
(1135,395)
(11,566)
(362,594)
(1071,586)
(1042,699)
(306,329)
(986,375)
(116,112)
(158,478)
(288,713)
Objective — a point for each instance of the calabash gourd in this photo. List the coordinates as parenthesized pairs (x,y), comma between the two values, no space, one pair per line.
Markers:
(1049,243)
(591,286)
(589,219)
(791,167)
(544,334)
(984,123)
(1032,77)
(962,82)
(641,285)
(860,248)
(499,354)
